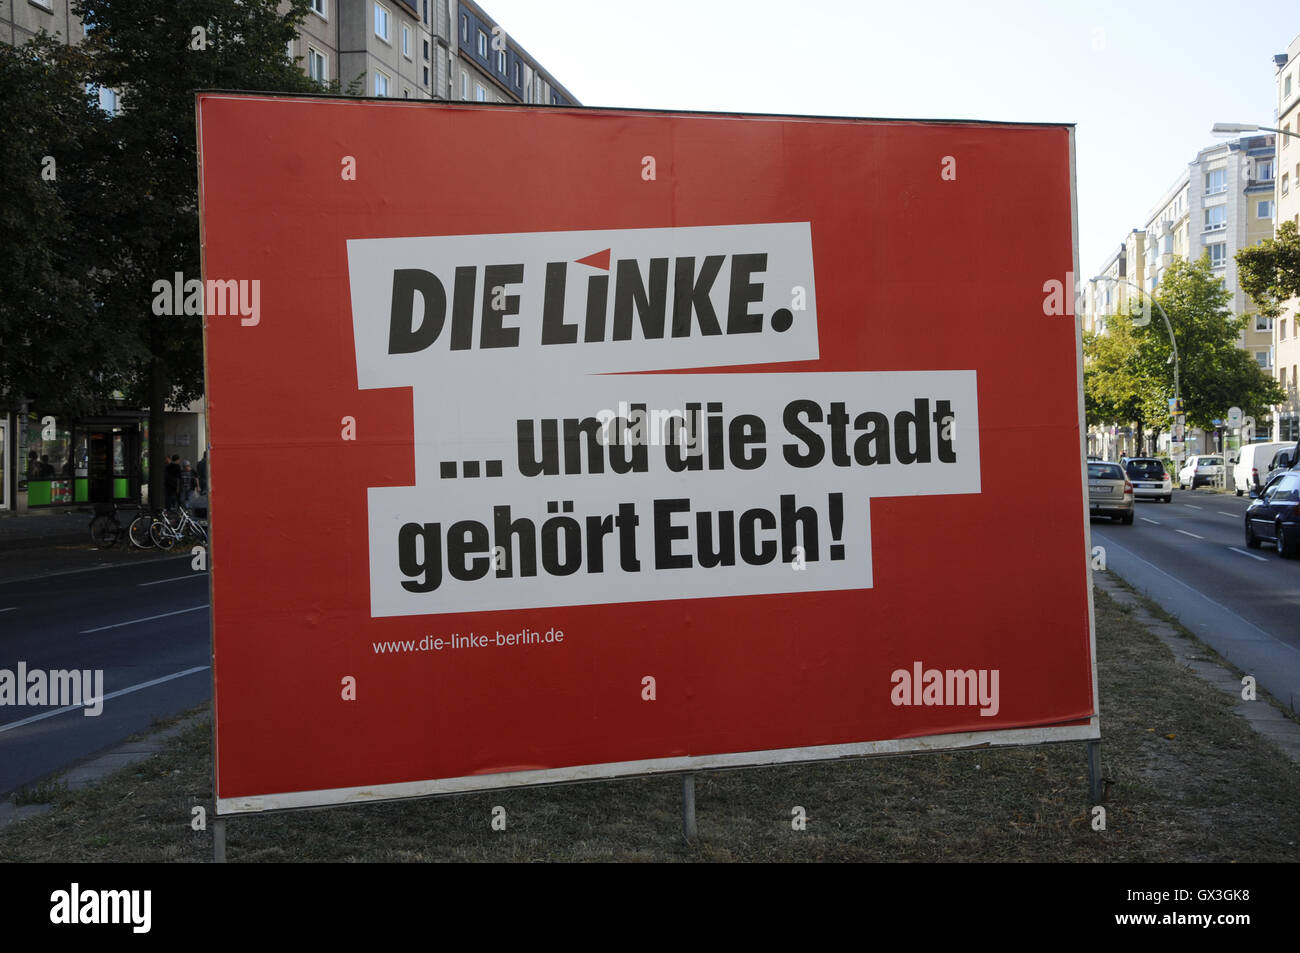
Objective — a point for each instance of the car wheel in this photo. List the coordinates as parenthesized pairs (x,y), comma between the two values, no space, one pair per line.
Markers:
(1127,518)
(1239,492)
(1169,498)
(1252,541)
(1286,543)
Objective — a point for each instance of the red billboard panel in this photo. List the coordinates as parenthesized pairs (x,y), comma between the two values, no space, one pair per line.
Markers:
(568,443)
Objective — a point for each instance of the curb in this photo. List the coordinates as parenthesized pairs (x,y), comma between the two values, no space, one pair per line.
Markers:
(1268,721)
(91,771)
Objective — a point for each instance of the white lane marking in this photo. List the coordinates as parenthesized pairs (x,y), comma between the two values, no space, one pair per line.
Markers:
(1233,515)
(159,582)
(1145,520)
(1193,506)
(119,625)
(117,694)
(1198,593)
(1244,553)
(1185,533)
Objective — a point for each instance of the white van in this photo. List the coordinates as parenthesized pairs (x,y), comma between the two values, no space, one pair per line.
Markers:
(1251,467)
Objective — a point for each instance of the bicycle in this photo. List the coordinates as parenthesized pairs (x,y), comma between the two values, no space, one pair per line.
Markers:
(138,531)
(166,534)
(105,528)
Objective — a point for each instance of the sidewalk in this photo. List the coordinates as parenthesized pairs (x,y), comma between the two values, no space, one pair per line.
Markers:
(57,541)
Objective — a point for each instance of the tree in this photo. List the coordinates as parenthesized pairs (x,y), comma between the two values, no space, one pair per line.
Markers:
(157,54)
(1215,372)
(1129,376)
(56,349)
(1270,271)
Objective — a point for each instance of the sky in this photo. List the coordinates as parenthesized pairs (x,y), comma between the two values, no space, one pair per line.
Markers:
(1143,80)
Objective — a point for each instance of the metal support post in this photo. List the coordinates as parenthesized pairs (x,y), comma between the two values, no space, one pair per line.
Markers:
(688,807)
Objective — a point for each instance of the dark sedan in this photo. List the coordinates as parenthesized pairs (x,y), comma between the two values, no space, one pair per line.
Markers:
(1275,516)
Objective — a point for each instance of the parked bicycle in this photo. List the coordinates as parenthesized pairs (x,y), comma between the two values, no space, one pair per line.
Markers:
(138,531)
(167,529)
(105,528)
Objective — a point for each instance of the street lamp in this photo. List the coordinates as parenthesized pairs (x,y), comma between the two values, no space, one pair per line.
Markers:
(1168,327)
(1237,128)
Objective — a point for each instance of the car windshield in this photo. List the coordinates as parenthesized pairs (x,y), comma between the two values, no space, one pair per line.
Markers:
(1288,489)
(1105,471)
(1146,469)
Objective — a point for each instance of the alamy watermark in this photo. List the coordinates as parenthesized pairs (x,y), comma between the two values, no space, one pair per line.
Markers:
(212,298)
(60,687)
(948,687)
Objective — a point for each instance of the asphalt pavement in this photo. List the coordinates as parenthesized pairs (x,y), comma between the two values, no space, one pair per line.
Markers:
(1191,558)
(138,617)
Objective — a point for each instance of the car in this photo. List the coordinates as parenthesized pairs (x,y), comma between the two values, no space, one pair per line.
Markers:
(1275,516)
(1250,472)
(1284,459)
(1149,478)
(1110,493)
(1201,470)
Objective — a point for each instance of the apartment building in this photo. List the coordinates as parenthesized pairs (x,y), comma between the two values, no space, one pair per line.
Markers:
(1286,333)
(421,49)
(21,20)
(395,48)
(1222,202)
(1110,289)
(489,66)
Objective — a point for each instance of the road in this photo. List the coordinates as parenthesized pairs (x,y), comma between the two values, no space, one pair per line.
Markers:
(145,626)
(1190,556)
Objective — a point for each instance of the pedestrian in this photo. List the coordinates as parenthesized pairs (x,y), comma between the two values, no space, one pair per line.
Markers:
(188,481)
(172,481)
(201,469)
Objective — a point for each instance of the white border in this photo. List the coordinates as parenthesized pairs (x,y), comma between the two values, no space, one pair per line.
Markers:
(620,769)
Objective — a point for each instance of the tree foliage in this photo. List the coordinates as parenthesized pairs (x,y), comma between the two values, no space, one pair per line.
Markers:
(55,349)
(1270,271)
(1129,377)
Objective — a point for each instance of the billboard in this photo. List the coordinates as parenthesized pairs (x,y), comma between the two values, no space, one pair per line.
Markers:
(554,444)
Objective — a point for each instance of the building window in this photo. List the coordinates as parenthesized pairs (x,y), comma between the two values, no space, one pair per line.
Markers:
(1216,180)
(1286,139)
(1264,170)
(501,62)
(1262,323)
(1218,255)
(480,94)
(426,11)
(406,41)
(406,92)
(426,76)
(426,49)
(381,22)
(1281,330)
(317,65)
(1286,183)
(482,44)
(1216,218)
(1261,358)
(1264,209)
(381,83)
(464,30)
(1286,85)
(464,85)
(288,51)
(519,75)
(320,8)
(107,99)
